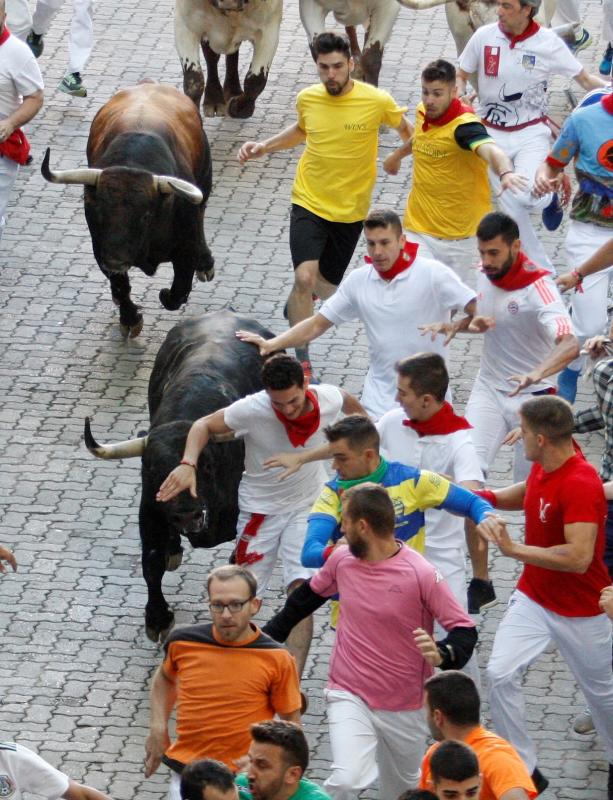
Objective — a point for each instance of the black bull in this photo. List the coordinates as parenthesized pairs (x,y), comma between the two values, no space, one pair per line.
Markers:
(146,186)
(200,368)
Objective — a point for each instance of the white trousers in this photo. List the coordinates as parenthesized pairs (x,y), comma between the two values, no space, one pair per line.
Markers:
(19,18)
(524,633)
(459,254)
(81,40)
(607,21)
(527,149)
(493,414)
(451,563)
(8,175)
(566,11)
(366,743)
(174,786)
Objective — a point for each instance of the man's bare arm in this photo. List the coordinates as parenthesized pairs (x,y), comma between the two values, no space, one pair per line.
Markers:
(566,349)
(302,333)
(162,698)
(289,137)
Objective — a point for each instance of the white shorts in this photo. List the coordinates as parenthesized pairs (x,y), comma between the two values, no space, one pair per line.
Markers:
(263,537)
(459,254)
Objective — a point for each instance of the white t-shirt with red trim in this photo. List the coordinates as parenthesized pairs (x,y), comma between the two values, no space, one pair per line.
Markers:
(528,322)
(254,419)
(392,312)
(513,76)
(572,493)
(22,770)
(19,75)
(451,454)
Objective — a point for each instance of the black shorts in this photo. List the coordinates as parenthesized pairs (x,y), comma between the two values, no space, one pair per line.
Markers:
(312,238)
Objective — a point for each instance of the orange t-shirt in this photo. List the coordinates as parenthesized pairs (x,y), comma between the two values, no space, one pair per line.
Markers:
(501,767)
(222,689)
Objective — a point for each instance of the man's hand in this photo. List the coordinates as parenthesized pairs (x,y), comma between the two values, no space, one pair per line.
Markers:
(446,329)
(567,281)
(427,647)
(606,601)
(155,746)
(292,462)
(262,344)
(251,150)
(392,164)
(512,437)
(6,128)
(181,478)
(494,529)
(523,381)
(597,346)
(514,182)
(7,555)
(480,324)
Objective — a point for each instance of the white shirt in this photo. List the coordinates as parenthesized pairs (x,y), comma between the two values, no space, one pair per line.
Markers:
(19,75)
(451,454)
(260,491)
(392,312)
(21,770)
(528,321)
(513,79)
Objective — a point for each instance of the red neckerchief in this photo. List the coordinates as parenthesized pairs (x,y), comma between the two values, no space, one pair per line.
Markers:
(456,107)
(403,262)
(533,27)
(16,147)
(523,273)
(300,429)
(443,422)
(607,102)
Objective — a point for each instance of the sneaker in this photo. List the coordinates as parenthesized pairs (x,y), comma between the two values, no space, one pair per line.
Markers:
(607,61)
(567,384)
(36,43)
(553,214)
(539,780)
(72,84)
(307,368)
(585,40)
(481,595)
(583,723)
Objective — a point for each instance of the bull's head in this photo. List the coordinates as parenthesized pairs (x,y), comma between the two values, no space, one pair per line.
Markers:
(122,205)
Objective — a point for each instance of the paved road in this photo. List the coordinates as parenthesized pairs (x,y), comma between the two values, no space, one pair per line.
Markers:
(75,663)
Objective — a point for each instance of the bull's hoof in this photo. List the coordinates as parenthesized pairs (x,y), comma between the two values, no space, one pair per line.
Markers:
(174,561)
(165,632)
(241,107)
(152,634)
(169,302)
(215,109)
(205,275)
(131,331)
(157,634)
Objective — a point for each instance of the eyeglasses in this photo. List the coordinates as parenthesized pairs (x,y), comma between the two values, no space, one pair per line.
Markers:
(234,606)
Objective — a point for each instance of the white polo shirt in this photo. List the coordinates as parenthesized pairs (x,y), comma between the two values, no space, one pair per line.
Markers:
(392,312)
(513,75)
(22,770)
(260,491)
(19,75)
(451,454)
(528,321)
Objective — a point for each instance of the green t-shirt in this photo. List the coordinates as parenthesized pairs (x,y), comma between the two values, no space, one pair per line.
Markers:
(307,790)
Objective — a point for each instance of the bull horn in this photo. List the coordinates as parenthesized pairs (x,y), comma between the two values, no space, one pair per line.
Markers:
(86,176)
(129,449)
(166,184)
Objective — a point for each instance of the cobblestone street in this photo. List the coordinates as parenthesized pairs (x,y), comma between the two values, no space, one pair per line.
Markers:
(75,664)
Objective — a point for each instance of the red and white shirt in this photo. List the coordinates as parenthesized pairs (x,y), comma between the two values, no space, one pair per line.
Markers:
(572,493)
(513,73)
(528,322)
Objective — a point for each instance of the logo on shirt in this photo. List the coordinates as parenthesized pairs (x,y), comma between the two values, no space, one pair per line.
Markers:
(512,307)
(604,155)
(438,578)
(544,508)
(355,126)
(528,61)
(434,479)
(491,60)
(7,787)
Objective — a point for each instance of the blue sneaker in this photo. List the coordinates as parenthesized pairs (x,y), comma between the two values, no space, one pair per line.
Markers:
(567,384)
(36,43)
(585,40)
(607,61)
(553,214)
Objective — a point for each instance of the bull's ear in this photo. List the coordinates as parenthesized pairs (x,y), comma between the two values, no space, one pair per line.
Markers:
(166,184)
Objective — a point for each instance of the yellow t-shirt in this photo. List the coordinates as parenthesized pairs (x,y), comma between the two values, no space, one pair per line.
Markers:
(337,171)
(450,193)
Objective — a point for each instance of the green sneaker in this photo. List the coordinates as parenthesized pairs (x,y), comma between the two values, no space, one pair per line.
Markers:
(36,43)
(73,85)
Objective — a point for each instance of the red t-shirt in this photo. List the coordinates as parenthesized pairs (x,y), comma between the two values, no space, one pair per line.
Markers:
(572,493)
